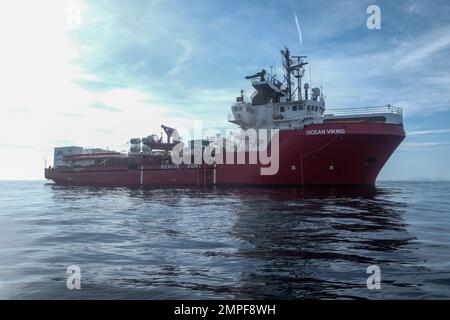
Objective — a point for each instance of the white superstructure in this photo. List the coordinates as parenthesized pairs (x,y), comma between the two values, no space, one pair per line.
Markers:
(281,105)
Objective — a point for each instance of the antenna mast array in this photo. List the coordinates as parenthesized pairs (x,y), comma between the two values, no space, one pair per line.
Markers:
(294,67)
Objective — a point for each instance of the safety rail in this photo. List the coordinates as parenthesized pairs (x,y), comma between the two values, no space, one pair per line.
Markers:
(364,110)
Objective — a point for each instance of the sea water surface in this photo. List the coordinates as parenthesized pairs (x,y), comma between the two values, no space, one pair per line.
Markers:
(238,243)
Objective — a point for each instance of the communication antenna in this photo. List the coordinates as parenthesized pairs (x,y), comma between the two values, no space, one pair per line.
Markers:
(273,58)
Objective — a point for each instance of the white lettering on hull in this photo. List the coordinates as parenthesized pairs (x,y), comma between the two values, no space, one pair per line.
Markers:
(316,132)
(169,166)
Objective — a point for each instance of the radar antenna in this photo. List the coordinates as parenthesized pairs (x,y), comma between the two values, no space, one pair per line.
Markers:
(261,75)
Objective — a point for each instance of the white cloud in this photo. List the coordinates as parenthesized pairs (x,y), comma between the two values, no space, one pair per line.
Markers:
(422,145)
(427,132)
(183,58)
(416,53)
(40,103)
(390,74)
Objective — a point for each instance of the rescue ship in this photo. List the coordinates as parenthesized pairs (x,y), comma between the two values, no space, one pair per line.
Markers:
(315,146)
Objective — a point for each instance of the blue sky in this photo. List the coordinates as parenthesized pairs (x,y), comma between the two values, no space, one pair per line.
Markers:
(124,68)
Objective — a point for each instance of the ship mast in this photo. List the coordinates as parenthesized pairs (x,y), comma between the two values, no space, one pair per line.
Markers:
(287,66)
(290,66)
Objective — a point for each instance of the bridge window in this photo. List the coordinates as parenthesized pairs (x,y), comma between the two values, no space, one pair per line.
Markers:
(316,108)
(281,109)
(309,108)
(240,108)
(294,108)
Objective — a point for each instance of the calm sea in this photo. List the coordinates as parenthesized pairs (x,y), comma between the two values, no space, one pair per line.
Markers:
(235,243)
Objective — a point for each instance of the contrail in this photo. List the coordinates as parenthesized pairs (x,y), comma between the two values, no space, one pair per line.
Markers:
(300,38)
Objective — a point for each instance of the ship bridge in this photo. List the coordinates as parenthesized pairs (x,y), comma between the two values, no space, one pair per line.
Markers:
(266,90)
(276,104)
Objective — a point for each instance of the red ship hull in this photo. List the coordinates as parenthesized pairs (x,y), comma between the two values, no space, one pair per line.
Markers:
(308,156)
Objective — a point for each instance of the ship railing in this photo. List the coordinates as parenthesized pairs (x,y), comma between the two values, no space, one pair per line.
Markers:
(364,110)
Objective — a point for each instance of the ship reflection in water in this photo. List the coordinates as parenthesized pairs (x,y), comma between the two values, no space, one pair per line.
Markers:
(224,243)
